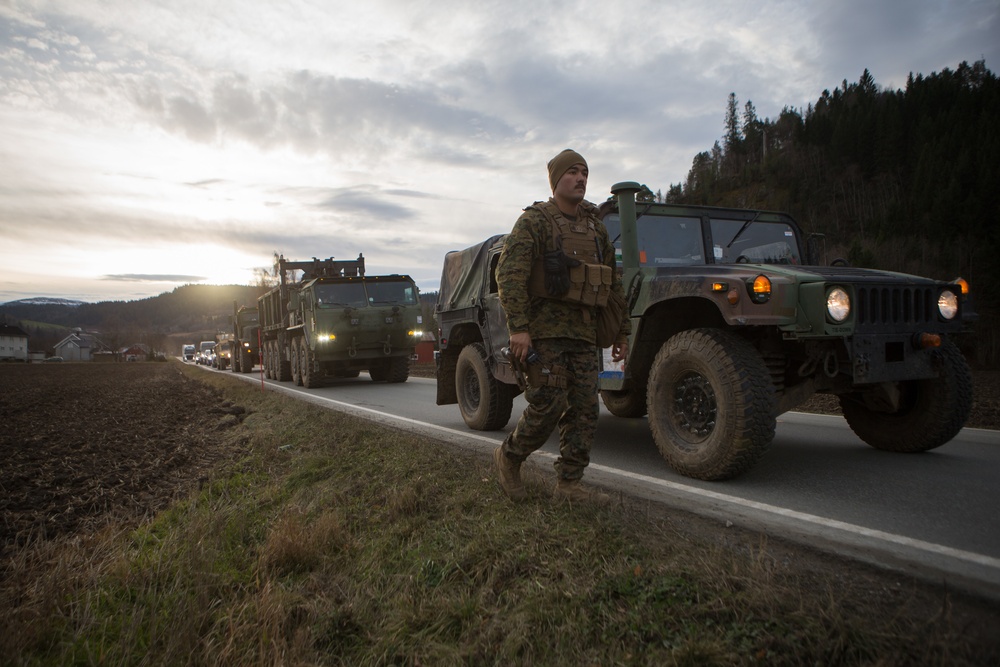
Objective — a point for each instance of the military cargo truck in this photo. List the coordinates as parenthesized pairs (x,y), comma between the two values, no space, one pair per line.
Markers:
(735,321)
(246,327)
(334,321)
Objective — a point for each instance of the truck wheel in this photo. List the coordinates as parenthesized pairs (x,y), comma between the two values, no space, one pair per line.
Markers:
(711,404)
(282,366)
(485,402)
(312,376)
(265,351)
(296,362)
(626,403)
(399,369)
(378,372)
(931,412)
(246,362)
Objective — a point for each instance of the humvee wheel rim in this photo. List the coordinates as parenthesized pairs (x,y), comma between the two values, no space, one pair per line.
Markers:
(695,405)
(471,392)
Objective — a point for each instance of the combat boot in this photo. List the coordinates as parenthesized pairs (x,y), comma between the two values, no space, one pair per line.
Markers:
(574,491)
(509,471)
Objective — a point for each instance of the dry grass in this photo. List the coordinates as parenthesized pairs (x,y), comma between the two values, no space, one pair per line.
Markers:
(337,542)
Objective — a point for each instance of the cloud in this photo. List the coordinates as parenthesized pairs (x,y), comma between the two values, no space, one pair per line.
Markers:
(153,278)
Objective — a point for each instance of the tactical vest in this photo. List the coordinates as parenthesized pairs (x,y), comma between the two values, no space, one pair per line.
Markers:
(590,282)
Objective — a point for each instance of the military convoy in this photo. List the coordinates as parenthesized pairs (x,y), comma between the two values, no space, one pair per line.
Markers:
(734,322)
(245,337)
(334,321)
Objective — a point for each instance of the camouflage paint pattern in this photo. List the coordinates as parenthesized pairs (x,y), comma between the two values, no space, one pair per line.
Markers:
(574,409)
(542,317)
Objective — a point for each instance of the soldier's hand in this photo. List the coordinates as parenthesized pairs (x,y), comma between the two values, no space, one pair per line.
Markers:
(520,343)
(557,265)
(619,351)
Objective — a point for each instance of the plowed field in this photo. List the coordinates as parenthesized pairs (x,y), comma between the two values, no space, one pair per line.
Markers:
(85,444)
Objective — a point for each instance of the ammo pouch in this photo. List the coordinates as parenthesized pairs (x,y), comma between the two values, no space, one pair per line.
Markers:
(546,376)
(590,280)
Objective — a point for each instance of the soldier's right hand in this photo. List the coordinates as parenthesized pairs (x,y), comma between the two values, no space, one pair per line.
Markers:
(520,343)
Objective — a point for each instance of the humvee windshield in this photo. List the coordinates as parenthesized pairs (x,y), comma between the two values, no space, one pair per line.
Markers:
(676,241)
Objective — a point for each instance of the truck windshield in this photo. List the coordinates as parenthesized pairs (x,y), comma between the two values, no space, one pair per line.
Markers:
(758,243)
(395,291)
(340,295)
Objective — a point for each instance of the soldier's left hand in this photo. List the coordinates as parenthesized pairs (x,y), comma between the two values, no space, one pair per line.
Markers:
(619,351)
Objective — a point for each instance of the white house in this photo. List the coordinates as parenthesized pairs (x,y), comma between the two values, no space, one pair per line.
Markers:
(78,346)
(13,343)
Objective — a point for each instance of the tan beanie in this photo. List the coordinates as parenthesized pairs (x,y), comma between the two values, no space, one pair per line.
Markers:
(561,163)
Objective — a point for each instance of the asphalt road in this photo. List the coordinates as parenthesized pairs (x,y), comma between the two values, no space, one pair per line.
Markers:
(935,515)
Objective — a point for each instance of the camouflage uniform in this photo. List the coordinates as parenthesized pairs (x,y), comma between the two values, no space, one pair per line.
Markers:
(563,334)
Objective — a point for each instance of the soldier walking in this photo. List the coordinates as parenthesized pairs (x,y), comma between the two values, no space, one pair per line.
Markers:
(557,268)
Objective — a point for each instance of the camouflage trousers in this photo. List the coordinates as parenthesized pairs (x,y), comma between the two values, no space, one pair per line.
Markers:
(573,409)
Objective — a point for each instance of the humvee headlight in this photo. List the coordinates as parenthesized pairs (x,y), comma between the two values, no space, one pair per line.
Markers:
(948,304)
(838,304)
(326,337)
(415,332)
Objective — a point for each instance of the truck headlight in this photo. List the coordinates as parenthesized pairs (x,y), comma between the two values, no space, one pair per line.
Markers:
(415,332)
(948,304)
(838,304)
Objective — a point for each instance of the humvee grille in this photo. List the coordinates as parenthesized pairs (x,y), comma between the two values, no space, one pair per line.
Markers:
(881,306)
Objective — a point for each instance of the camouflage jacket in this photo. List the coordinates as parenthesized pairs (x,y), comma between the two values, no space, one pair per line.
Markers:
(542,317)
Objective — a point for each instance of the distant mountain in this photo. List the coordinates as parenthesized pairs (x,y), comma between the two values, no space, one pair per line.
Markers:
(44,301)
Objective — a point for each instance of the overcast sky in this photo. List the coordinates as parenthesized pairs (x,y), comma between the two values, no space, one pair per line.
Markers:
(150,144)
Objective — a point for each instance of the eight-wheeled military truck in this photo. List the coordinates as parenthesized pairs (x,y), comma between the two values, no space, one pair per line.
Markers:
(735,321)
(334,321)
(246,327)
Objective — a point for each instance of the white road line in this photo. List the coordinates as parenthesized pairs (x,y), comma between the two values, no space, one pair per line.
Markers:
(929,547)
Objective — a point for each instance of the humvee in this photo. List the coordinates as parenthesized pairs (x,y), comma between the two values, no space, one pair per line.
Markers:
(734,322)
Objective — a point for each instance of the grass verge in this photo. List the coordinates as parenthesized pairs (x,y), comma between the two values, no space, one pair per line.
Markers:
(334,541)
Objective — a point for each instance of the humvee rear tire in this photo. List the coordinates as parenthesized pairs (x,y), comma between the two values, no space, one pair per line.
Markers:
(628,403)
(711,404)
(485,402)
(399,369)
(931,412)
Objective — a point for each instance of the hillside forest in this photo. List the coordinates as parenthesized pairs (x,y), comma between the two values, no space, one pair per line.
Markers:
(904,180)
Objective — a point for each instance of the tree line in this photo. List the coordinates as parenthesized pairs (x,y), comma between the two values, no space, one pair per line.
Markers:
(904,180)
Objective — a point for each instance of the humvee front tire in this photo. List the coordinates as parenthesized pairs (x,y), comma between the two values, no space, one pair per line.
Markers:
(711,404)
(931,412)
(485,402)
(628,403)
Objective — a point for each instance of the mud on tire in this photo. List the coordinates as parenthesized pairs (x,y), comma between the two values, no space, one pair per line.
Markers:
(485,402)
(931,412)
(711,404)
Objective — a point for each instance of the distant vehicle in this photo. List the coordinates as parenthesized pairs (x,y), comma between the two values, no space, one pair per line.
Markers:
(54,359)
(246,333)
(205,352)
(188,353)
(223,351)
(336,322)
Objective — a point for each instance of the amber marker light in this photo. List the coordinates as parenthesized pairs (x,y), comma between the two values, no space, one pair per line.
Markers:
(961,282)
(760,290)
(720,287)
